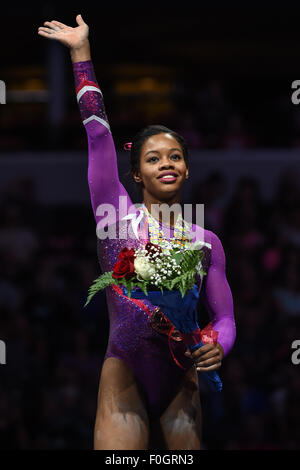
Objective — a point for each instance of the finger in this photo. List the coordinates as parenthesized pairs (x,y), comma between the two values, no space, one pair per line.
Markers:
(42,33)
(79,20)
(52,26)
(207,369)
(59,24)
(203,350)
(47,31)
(208,362)
(208,355)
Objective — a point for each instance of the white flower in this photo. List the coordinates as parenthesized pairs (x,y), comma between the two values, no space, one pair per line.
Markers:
(144,268)
(199,267)
(197,245)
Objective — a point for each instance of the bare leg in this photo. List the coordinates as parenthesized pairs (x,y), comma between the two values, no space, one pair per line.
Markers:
(121,420)
(181,422)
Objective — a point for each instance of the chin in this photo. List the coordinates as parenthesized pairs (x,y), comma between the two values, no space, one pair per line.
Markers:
(164,191)
(167,192)
(167,188)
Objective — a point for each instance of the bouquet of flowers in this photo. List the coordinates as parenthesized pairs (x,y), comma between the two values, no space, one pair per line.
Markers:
(166,277)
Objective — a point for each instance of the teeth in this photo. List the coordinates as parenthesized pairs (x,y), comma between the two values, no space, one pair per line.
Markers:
(168,176)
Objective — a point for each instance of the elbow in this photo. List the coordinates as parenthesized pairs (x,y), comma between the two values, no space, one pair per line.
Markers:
(96,129)
(231,342)
(227,336)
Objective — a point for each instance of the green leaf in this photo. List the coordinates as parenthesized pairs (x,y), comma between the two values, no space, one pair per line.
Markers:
(187,260)
(100,283)
(142,286)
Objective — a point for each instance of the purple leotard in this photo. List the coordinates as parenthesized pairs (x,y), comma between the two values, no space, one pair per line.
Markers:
(135,337)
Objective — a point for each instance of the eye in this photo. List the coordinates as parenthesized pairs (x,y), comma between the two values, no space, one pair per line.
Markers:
(176,156)
(151,159)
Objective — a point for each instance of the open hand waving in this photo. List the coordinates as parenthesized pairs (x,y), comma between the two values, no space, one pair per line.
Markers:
(74,38)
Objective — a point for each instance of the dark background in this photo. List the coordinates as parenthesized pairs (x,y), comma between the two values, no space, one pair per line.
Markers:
(222,77)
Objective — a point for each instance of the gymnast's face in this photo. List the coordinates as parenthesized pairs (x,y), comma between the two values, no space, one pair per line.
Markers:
(161,155)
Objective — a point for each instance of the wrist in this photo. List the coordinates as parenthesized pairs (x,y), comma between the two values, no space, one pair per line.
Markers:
(193,338)
(221,349)
(81,53)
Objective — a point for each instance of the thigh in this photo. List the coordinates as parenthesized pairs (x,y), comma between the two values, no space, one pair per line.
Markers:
(181,422)
(121,419)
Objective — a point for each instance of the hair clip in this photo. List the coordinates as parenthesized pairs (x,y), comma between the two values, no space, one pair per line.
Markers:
(128,146)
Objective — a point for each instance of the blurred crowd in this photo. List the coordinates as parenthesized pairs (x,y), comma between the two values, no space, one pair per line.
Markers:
(55,347)
(215,115)
(261,239)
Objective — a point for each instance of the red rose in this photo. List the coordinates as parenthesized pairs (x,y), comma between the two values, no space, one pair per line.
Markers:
(124,267)
(126,254)
(149,248)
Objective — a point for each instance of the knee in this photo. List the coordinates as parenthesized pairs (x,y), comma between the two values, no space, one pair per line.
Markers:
(184,436)
(121,431)
(130,420)
(183,432)
(122,420)
(180,424)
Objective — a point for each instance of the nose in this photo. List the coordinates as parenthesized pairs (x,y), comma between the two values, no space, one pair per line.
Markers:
(166,163)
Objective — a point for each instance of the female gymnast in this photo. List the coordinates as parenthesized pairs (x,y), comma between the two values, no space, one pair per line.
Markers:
(148,390)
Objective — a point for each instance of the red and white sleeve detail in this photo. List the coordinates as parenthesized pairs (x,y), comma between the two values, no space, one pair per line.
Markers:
(85,86)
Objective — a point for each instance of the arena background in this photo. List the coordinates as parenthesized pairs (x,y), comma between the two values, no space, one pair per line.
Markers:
(220,76)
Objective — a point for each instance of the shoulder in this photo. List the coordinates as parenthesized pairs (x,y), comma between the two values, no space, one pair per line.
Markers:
(212,245)
(209,238)
(200,234)
(217,250)
(215,241)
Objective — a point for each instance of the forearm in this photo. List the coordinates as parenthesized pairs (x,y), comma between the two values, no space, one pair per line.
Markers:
(217,297)
(82,53)
(227,331)
(219,304)
(89,96)
(103,177)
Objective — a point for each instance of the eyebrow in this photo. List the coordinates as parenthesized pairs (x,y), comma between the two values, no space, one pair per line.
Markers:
(156,151)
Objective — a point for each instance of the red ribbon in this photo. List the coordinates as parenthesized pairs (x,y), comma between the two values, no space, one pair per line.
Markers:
(137,302)
(144,307)
(209,335)
(170,347)
(206,335)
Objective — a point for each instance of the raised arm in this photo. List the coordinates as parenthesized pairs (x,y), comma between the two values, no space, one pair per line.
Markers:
(217,298)
(103,178)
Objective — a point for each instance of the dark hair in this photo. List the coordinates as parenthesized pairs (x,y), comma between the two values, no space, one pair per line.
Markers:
(144,134)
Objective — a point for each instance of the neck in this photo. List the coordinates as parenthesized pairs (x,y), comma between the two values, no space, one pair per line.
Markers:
(149,202)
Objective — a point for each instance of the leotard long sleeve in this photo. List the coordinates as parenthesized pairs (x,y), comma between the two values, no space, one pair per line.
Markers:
(135,336)
(103,178)
(217,298)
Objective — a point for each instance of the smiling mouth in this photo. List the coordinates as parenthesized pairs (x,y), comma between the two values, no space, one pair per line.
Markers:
(168,179)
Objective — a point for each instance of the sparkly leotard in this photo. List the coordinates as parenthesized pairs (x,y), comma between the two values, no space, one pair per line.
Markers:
(138,335)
